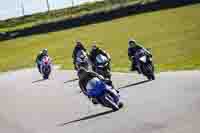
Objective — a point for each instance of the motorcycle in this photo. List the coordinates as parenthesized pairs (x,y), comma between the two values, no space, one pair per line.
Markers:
(82,60)
(102,66)
(104,94)
(144,64)
(45,67)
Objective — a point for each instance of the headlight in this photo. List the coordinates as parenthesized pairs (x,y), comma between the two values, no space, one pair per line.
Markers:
(100,66)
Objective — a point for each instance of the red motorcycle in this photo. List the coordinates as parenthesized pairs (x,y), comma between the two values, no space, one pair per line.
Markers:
(45,67)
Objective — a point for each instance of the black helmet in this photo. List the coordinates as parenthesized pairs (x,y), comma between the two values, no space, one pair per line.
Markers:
(82,73)
(79,43)
(94,46)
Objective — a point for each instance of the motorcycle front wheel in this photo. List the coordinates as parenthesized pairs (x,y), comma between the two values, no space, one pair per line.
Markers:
(150,72)
(110,103)
(45,76)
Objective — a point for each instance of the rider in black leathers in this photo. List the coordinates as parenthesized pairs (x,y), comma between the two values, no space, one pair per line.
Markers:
(39,57)
(79,46)
(133,47)
(96,51)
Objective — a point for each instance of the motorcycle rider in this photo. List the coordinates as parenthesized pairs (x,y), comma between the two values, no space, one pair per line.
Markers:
(133,47)
(39,57)
(79,46)
(85,76)
(96,51)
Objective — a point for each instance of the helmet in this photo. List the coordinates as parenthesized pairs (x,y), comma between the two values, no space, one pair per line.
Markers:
(94,46)
(132,43)
(82,73)
(78,43)
(44,51)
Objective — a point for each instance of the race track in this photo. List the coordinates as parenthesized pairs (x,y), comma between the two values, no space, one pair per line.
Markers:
(170,104)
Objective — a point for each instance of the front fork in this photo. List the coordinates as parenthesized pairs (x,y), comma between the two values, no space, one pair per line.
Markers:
(114,94)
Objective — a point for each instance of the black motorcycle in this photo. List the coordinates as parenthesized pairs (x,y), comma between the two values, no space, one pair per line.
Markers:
(102,66)
(144,64)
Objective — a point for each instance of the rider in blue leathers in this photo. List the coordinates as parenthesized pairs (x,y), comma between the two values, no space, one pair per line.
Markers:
(79,46)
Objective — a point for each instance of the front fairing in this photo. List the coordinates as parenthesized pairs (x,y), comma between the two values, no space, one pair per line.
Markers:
(101,60)
(143,58)
(102,66)
(97,90)
(46,68)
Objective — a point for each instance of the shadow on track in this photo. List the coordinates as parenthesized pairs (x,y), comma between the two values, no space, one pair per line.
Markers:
(40,80)
(134,84)
(72,80)
(86,118)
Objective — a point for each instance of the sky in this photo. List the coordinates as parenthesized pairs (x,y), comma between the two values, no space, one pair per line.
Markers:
(12,8)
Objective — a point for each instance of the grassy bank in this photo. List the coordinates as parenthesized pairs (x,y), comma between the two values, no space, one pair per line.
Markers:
(62,14)
(173,35)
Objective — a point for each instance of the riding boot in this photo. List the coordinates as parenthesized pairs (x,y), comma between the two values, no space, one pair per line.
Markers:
(94,101)
(39,69)
(133,67)
(138,69)
(93,68)
(75,67)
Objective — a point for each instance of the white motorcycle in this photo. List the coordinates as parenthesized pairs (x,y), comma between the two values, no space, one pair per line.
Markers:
(82,60)
(102,66)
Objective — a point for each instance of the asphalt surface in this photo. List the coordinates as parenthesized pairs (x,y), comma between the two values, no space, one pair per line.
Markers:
(170,104)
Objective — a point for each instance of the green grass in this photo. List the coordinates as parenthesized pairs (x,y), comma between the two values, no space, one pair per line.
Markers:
(173,35)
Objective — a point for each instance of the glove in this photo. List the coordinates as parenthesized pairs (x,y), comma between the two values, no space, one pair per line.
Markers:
(101,77)
(131,58)
(39,62)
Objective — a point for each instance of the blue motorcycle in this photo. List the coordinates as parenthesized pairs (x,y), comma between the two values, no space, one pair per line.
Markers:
(103,94)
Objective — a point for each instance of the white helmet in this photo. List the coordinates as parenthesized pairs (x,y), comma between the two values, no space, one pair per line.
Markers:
(44,51)
(132,43)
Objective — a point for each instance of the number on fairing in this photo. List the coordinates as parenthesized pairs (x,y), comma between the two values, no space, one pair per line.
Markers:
(143,59)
